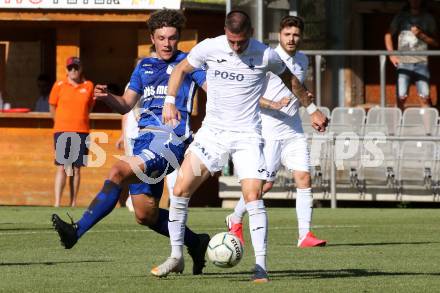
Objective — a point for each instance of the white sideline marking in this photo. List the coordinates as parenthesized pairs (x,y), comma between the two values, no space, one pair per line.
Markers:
(149,230)
(334,226)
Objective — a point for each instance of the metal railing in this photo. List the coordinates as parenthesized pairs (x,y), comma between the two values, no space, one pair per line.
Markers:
(382,54)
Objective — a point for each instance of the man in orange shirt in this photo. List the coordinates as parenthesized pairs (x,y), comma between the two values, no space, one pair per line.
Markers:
(70,101)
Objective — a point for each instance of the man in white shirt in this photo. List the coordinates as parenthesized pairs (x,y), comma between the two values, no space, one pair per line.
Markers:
(236,69)
(285,142)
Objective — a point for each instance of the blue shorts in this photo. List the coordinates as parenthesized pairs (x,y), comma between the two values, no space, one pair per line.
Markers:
(417,72)
(68,153)
(161,154)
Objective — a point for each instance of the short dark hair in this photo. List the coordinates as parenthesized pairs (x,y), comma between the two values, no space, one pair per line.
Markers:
(166,17)
(289,20)
(238,21)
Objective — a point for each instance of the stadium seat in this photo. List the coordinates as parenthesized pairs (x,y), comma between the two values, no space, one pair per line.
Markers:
(416,164)
(347,126)
(320,160)
(387,119)
(319,150)
(385,123)
(436,177)
(347,120)
(378,165)
(419,121)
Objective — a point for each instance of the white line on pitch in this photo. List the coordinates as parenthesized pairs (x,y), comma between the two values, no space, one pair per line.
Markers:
(148,230)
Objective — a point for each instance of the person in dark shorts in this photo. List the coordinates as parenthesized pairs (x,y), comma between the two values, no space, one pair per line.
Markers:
(70,102)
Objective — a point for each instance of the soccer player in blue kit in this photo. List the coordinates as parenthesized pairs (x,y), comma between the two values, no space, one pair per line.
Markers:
(158,150)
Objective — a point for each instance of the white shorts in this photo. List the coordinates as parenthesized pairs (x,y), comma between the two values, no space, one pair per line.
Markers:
(292,153)
(214,147)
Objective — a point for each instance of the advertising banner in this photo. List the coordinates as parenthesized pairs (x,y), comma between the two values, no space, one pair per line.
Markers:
(90,4)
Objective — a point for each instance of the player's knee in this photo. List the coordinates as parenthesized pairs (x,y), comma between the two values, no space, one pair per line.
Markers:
(302,179)
(179,191)
(147,218)
(117,174)
(267,186)
(252,196)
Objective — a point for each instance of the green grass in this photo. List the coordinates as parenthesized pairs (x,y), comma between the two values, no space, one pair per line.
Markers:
(370,250)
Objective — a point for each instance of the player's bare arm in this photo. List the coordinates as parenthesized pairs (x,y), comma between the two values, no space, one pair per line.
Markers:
(318,119)
(268,104)
(121,104)
(298,89)
(170,114)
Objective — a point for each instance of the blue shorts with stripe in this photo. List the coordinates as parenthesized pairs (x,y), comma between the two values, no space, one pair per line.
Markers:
(161,153)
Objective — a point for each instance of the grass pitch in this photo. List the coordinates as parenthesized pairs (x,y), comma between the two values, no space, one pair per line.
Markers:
(369,250)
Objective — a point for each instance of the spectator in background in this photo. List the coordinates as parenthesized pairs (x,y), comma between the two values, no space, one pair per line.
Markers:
(71,101)
(43,83)
(416,29)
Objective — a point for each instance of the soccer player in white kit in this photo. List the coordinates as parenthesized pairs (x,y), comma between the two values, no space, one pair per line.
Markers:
(285,142)
(236,68)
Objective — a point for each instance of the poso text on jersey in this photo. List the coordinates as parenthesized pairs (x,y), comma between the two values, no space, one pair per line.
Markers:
(229,75)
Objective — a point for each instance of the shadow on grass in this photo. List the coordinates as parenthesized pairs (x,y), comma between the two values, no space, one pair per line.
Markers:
(317,274)
(50,263)
(381,243)
(25,229)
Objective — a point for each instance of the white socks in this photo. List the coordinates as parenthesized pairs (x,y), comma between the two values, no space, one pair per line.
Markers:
(258,229)
(176,224)
(239,211)
(304,209)
(304,205)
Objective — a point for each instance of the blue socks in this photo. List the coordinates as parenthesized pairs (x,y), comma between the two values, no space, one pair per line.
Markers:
(191,239)
(104,202)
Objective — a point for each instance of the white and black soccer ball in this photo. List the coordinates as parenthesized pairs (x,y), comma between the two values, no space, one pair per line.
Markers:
(225,250)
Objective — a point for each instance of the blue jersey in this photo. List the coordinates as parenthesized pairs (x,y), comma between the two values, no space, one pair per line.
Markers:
(150,80)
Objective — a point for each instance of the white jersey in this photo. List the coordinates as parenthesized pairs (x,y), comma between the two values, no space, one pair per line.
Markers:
(235,82)
(284,123)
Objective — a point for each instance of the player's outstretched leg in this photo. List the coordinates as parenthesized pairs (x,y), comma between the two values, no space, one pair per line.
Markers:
(258,229)
(176,226)
(198,251)
(171,265)
(234,221)
(66,231)
(260,275)
(185,185)
(196,243)
(304,209)
(104,202)
(176,265)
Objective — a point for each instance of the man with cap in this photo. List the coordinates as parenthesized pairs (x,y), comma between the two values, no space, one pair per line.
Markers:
(70,102)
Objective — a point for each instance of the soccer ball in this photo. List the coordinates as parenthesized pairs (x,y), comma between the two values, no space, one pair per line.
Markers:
(225,250)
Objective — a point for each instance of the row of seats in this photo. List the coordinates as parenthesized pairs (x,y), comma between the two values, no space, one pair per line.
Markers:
(404,154)
(390,121)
